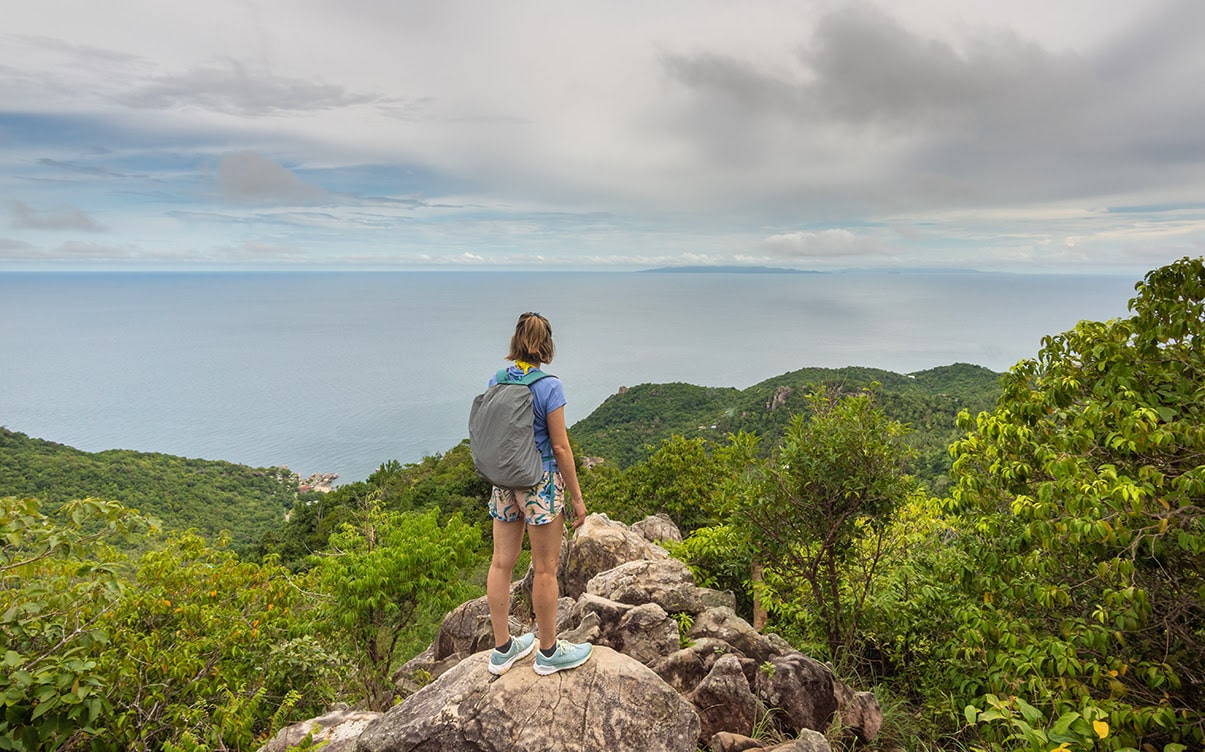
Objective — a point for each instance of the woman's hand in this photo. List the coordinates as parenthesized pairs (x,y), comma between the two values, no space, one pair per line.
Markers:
(579,513)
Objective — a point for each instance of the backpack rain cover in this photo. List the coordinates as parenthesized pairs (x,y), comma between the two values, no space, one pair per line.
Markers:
(502,433)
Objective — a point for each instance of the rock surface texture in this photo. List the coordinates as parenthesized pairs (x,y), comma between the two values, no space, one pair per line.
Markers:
(674,668)
(337,731)
(612,702)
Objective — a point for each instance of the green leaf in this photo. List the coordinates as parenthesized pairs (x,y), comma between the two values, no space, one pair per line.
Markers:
(45,707)
(1063,724)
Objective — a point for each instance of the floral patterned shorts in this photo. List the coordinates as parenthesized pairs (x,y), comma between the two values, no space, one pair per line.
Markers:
(539,505)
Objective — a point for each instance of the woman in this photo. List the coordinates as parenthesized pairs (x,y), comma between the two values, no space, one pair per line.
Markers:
(539,510)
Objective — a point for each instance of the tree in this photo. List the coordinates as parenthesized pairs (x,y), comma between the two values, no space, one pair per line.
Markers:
(835,480)
(1084,500)
(58,582)
(192,657)
(385,577)
(684,478)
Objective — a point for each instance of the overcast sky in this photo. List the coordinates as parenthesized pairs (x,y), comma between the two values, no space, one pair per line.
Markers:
(1028,135)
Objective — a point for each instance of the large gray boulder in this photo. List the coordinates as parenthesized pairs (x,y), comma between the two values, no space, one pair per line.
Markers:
(337,731)
(684,669)
(860,712)
(466,629)
(645,633)
(725,701)
(612,702)
(658,528)
(598,545)
(666,582)
(801,689)
(723,624)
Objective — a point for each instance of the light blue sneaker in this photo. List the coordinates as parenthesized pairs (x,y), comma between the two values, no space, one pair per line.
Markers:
(520,647)
(567,655)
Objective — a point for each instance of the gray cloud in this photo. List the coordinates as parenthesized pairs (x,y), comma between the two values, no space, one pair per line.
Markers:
(235,91)
(17,250)
(930,124)
(25,217)
(249,177)
(103,172)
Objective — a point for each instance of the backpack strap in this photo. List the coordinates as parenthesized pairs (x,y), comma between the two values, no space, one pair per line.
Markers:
(503,377)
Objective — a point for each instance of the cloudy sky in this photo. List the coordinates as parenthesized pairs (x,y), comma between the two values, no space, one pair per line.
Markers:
(816,134)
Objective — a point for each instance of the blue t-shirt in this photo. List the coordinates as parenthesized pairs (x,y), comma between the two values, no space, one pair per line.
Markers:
(547,395)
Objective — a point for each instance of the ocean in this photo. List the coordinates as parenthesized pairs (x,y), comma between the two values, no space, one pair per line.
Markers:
(340,372)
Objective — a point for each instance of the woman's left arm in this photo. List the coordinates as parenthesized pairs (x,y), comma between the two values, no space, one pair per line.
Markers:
(559,436)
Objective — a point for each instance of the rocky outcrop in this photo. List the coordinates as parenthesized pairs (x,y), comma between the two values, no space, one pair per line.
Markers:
(803,692)
(724,700)
(674,668)
(666,582)
(600,545)
(658,528)
(337,731)
(860,712)
(610,703)
(779,398)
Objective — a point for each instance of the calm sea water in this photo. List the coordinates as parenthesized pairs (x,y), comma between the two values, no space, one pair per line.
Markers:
(341,372)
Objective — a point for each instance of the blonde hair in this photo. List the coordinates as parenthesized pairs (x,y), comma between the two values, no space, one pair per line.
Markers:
(532,341)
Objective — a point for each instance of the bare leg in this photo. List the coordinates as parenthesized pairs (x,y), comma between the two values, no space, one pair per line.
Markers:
(545,555)
(508,541)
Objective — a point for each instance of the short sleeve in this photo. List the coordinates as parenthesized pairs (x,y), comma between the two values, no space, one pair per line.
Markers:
(549,394)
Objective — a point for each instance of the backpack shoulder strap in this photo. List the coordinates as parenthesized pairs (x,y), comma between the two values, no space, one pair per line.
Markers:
(533,376)
(503,377)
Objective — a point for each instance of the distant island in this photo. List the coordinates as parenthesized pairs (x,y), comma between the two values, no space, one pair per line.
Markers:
(731,269)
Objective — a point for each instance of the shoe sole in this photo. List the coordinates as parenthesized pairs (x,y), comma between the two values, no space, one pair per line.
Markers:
(502,669)
(545,670)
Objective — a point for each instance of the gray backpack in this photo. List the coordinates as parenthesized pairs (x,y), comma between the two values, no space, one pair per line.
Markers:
(501,433)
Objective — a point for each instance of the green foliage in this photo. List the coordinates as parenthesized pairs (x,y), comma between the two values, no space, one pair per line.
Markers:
(1055,601)
(211,496)
(685,622)
(627,424)
(390,578)
(446,482)
(685,478)
(628,427)
(58,583)
(834,482)
(720,557)
(913,607)
(195,652)
(1028,728)
(1084,497)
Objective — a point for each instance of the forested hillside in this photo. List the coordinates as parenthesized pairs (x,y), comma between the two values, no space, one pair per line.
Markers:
(211,496)
(629,426)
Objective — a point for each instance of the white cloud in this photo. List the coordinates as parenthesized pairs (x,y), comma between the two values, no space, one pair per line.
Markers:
(831,243)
